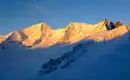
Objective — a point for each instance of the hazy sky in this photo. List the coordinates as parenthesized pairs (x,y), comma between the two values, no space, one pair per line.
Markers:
(18,14)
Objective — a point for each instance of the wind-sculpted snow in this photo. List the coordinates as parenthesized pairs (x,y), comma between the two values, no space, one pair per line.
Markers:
(66,60)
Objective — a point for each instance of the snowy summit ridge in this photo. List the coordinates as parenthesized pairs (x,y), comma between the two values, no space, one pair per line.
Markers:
(42,34)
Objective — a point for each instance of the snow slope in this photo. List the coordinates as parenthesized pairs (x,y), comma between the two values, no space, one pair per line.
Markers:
(18,62)
(108,60)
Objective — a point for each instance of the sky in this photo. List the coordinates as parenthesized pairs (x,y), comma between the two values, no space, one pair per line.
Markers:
(19,14)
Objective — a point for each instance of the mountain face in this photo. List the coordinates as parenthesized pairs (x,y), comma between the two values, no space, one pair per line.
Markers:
(42,34)
(78,52)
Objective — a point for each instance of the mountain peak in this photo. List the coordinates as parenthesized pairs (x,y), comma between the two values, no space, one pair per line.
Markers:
(118,23)
(45,26)
(42,34)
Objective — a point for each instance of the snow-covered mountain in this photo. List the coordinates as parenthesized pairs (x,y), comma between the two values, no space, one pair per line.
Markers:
(78,52)
(40,35)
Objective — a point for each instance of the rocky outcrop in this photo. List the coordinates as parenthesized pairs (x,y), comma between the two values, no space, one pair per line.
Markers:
(118,23)
(66,60)
(108,35)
